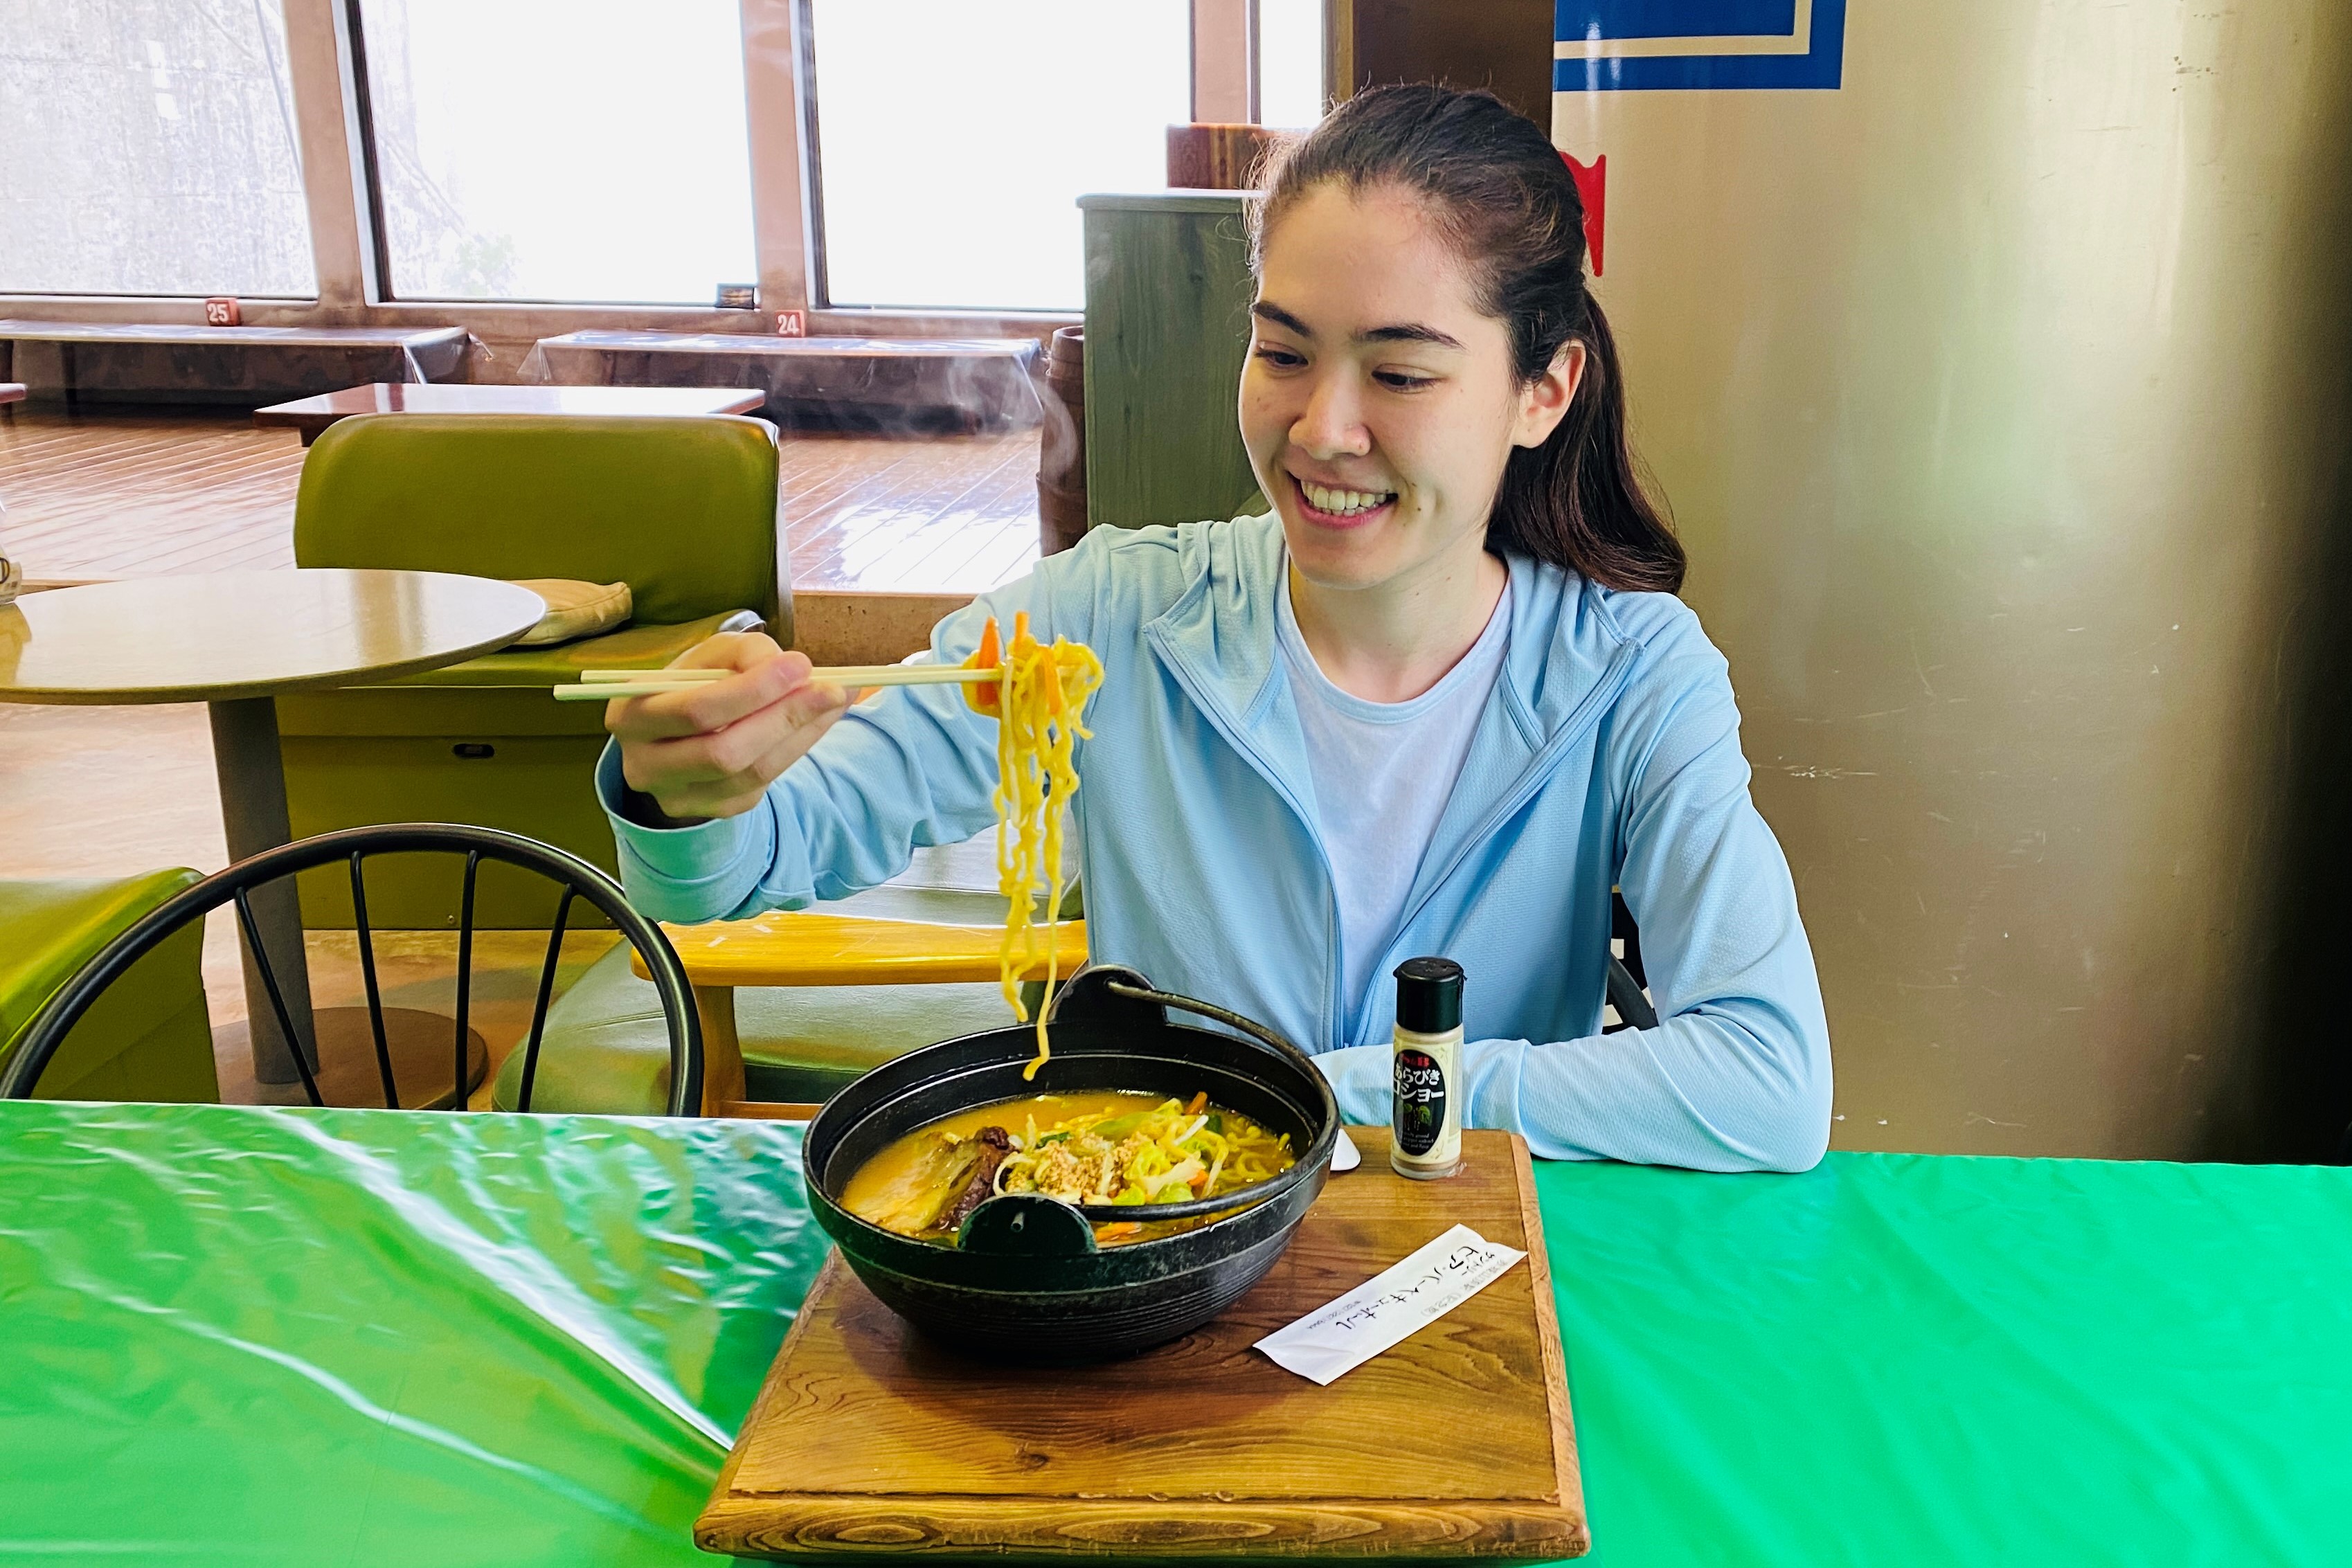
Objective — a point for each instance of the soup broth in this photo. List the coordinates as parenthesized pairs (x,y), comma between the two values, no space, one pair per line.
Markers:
(1093,1147)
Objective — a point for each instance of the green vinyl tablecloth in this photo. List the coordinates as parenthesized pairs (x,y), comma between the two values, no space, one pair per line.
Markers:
(265,1336)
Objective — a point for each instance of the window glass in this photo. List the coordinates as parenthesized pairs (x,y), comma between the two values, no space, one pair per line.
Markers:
(1289,62)
(150,149)
(578,151)
(954,139)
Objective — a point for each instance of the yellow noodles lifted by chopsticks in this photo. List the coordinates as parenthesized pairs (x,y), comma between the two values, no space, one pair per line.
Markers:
(1038,706)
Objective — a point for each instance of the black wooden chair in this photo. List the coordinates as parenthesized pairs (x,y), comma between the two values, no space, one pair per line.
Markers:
(1627,984)
(576,878)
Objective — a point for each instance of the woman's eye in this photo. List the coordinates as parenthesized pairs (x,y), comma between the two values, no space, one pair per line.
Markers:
(1400,380)
(1281,359)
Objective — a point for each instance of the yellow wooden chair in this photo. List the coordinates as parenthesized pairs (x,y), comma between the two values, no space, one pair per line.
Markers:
(807,950)
(795,1005)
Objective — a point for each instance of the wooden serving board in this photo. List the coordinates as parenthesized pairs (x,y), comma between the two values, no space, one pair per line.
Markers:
(870,1440)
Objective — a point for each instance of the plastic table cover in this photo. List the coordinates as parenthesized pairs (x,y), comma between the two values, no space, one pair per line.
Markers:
(127,356)
(270,1336)
(988,379)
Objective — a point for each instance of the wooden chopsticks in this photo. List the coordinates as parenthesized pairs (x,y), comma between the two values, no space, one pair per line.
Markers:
(604,685)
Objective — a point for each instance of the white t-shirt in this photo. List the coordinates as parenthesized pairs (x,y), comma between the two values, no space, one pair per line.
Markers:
(1382,773)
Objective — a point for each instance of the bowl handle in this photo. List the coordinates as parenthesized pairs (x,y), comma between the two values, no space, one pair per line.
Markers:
(1112,993)
(1109,995)
(1025,1225)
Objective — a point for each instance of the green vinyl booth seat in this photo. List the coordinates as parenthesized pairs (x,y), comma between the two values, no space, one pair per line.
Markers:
(682,510)
(150,1036)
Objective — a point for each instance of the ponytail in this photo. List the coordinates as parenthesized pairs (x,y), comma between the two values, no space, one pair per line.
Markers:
(1506,202)
(1577,500)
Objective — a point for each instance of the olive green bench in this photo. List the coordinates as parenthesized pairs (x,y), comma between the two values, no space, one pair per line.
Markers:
(150,1036)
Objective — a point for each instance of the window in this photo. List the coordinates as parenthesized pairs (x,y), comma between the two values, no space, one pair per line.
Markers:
(1289,63)
(574,151)
(952,140)
(150,149)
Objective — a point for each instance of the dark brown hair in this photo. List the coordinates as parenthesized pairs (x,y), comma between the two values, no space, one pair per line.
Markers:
(1504,198)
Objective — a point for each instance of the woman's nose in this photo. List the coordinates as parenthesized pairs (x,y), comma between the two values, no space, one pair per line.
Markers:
(1330,425)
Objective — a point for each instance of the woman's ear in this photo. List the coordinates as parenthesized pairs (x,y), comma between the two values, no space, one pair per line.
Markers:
(1544,402)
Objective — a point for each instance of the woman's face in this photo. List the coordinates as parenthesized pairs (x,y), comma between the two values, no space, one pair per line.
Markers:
(1379,403)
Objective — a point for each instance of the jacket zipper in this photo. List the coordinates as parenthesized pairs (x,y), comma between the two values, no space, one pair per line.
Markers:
(1586,714)
(1333,1003)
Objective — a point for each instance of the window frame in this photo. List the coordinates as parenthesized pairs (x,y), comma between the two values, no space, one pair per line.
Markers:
(326,43)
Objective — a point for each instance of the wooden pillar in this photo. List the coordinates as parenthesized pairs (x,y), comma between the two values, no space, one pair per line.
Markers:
(1224,67)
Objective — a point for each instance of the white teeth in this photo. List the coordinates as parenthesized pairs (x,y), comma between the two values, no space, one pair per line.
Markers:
(1344,503)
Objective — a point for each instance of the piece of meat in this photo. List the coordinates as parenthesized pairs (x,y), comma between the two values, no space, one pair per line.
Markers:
(981,1186)
(912,1204)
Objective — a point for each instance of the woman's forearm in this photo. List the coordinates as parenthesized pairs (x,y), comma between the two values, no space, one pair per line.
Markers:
(1730,1088)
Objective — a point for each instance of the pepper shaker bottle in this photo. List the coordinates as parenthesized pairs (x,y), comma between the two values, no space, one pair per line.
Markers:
(1425,1071)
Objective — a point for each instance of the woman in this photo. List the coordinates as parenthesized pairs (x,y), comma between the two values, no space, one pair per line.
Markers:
(1439,701)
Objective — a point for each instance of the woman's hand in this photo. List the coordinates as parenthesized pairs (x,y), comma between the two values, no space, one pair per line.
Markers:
(714,750)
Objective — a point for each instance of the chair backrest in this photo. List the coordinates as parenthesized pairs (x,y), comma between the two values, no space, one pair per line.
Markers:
(1628,986)
(682,509)
(575,879)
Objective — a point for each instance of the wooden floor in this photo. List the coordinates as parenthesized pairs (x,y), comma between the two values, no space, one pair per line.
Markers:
(949,513)
(138,495)
(117,494)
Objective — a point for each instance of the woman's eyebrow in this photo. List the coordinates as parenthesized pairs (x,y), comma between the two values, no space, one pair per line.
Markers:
(1408,333)
(1403,332)
(1281,318)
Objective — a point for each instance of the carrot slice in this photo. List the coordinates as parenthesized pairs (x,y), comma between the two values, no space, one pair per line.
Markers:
(986,696)
(1049,681)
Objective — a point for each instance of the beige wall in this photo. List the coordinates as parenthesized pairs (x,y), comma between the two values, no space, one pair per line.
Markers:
(2000,396)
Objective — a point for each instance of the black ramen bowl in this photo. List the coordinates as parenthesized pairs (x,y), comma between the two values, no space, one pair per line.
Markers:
(1027,1281)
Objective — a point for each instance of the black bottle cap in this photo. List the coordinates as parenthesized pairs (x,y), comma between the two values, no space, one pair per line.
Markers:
(1429,996)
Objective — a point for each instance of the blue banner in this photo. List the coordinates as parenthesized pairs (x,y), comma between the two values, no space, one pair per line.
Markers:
(1626,46)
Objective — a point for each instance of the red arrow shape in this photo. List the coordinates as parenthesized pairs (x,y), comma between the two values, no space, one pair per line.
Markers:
(1593,190)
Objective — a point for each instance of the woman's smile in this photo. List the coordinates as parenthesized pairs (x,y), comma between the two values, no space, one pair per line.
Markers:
(1339,506)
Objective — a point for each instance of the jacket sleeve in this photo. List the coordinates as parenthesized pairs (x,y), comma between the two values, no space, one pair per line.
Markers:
(910,765)
(1736,1076)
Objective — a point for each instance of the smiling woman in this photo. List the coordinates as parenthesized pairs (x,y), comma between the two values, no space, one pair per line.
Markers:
(1442,701)
(1445,248)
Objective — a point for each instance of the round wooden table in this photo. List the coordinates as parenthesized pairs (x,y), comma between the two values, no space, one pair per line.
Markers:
(236,640)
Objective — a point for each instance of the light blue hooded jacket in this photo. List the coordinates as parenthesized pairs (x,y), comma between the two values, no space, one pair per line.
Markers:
(1608,754)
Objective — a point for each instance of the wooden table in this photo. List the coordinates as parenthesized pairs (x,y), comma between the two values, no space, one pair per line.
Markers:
(221,363)
(312,414)
(798,949)
(236,640)
(981,382)
(868,1436)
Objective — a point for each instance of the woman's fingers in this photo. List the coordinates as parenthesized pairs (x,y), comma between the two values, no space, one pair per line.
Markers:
(765,676)
(730,650)
(703,754)
(733,793)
